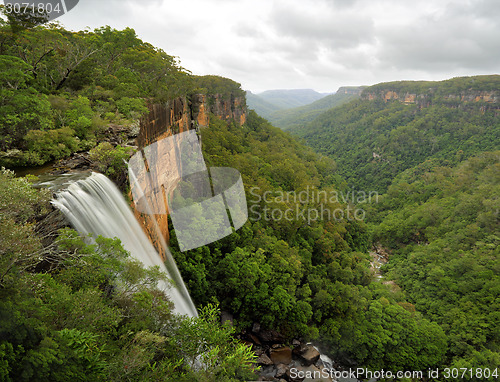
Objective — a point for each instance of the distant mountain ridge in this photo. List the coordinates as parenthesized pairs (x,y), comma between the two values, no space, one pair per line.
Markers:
(298,116)
(260,105)
(269,101)
(288,98)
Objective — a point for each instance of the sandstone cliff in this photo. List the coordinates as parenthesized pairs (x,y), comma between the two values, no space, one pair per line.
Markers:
(454,92)
(490,97)
(176,116)
(182,114)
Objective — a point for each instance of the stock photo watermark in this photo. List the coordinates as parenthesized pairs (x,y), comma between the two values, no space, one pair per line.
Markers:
(309,205)
(38,12)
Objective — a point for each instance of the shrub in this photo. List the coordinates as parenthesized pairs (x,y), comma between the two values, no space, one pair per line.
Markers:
(45,146)
(131,107)
(108,159)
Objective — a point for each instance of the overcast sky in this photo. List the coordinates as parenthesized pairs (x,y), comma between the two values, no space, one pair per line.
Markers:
(317,44)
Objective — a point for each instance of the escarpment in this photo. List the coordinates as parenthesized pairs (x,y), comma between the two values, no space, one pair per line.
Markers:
(456,92)
(163,120)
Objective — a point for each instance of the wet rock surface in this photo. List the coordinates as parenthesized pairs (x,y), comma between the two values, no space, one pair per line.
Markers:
(281,360)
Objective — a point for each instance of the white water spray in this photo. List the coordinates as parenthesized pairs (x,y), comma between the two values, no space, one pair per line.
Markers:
(95,205)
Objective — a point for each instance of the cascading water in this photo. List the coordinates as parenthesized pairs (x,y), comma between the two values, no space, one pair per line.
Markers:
(95,205)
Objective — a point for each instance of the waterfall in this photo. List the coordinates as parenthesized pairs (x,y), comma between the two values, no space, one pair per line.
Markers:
(95,205)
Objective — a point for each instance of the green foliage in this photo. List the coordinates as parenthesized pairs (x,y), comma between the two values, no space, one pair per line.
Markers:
(110,160)
(83,310)
(79,117)
(45,146)
(19,201)
(87,76)
(211,348)
(20,206)
(439,216)
(373,141)
(212,85)
(95,314)
(21,108)
(308,279)
(99,315)
(442,225)
(131,107)
(14,72)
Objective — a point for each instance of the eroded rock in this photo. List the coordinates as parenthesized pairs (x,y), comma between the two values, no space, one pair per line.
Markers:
(281,355)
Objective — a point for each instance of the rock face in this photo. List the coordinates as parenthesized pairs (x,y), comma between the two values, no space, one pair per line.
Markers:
(176,116)
(181,114)
(490,98)
(281,355)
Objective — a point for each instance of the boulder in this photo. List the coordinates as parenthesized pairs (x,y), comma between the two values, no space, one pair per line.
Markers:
(263,359)
(76,161)
(281,370)
(281,355)
(309,355)
(254,339)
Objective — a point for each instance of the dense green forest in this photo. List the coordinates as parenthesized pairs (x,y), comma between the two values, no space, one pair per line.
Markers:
(441,226)
(373,141)
(74,309)
(70,310)
(434,161)
(310,280)
(61,90)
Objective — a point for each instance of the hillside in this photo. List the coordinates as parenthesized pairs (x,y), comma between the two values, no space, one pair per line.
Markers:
(269,101)
(396,126)
(299,116)
(441,227)
(287,98)
(431,150)
(260,105)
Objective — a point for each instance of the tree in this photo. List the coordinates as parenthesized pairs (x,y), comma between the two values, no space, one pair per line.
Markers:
(21,108)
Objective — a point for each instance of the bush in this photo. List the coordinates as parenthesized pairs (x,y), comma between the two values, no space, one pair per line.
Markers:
(45,146)
(110,160)
(80,116)
(131,107)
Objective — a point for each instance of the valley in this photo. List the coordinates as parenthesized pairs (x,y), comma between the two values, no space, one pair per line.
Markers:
(412,283)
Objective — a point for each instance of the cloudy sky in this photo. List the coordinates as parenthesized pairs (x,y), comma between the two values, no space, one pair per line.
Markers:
(317,44)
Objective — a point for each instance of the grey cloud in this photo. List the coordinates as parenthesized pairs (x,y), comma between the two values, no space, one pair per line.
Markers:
(110,12)
(318,44)
(456,38)
(247,30)
(337,28)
